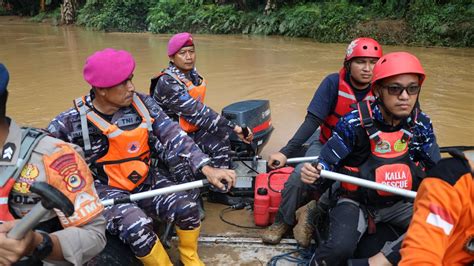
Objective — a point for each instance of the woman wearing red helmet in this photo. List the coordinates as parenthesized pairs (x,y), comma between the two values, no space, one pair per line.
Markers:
(387,142)
(334,97)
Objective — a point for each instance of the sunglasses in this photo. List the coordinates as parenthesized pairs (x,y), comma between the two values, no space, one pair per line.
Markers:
(398,90)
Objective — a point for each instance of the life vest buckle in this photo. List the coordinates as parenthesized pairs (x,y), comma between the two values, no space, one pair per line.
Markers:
(367,121)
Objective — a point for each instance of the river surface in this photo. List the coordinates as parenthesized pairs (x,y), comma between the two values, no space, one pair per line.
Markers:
(45,64)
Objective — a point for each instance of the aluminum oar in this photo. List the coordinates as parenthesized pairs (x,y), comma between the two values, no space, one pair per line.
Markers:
(368,184)
(156,192)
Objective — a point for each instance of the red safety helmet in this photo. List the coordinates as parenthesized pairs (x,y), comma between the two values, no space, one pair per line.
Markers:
(363,47)
(397,63)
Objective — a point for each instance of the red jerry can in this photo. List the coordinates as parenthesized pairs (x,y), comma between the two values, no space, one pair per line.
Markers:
(267,195)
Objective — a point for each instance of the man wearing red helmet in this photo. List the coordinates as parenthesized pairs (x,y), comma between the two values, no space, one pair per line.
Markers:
(334,97)
(380,142)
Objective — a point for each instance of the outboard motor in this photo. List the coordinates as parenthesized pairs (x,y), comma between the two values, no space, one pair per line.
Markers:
(254,114)
(246,161)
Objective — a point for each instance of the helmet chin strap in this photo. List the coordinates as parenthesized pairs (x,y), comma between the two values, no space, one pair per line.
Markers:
(413,114)
(391,117)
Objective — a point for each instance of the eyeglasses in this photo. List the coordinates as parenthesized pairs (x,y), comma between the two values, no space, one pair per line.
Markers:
(398,90)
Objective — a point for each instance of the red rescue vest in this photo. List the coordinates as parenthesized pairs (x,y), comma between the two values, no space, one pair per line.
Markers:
(127,160)
(345,99)
(389,161)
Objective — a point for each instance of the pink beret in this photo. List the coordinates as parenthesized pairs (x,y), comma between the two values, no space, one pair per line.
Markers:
(178,41)
(109,67)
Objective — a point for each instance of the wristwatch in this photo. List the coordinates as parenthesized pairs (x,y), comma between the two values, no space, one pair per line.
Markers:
(44,248)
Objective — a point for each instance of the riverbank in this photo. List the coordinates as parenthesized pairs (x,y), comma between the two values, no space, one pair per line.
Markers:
(414,23)
(48,61)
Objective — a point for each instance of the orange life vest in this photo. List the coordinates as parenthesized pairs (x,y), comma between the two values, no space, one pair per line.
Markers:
(196,92)
(127,160)
(345,99)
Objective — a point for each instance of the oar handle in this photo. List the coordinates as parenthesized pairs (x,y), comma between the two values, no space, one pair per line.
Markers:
(30,220)
(367,183)
(157,192)
(302,159)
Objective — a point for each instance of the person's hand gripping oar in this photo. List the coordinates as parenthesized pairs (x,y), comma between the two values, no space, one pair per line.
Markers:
(310,173)
(51,198)
(165,238)
(279,160)
(16,236)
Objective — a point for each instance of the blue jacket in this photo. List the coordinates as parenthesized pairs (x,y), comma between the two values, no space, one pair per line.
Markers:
(349,144)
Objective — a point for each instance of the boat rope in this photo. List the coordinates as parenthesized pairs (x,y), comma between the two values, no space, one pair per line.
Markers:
(300,256)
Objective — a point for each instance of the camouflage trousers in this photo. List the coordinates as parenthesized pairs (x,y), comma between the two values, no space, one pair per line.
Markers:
(133,222)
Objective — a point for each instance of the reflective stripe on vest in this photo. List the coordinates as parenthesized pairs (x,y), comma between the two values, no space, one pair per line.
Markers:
(196,92)
(127,161)
(345,98)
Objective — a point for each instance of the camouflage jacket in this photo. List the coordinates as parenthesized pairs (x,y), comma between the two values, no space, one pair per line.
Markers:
(167,141)
(350,143)
(176,102)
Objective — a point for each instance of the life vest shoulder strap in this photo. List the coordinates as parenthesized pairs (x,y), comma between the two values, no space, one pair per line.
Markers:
(82,108)
(88,114)
(174,76)
(187,84)
(367,121)
(29,140)
(142,111)
(154,80)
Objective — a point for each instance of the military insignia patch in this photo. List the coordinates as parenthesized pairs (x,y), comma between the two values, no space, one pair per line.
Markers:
(27,176)
(8,151)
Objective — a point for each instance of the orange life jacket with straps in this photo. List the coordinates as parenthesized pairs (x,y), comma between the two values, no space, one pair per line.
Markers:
(127,161)
(345,99)
(196,92)
(389,162)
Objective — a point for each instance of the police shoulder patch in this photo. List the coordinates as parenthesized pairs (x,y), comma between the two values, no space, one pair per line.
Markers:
(7,152)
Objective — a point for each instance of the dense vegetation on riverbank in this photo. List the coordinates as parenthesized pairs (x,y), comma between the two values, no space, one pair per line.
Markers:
(413,22)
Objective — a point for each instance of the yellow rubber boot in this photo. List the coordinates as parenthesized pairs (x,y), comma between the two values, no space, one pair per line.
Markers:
(157,256)
(188,242)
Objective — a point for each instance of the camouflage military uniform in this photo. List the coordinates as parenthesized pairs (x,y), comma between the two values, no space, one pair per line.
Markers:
(213,133)
(132,222)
